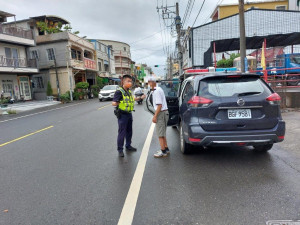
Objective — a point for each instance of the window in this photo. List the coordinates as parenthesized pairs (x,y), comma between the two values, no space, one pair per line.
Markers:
(170,88)
(188,92)
(50,53)
(75,54)
(228,87)
(125,49)
(38,82)
(100,66)
(280,7)
(34,54)
(12,57)
(7,86)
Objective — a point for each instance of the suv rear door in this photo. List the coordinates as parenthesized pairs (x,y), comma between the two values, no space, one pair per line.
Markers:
(239,103)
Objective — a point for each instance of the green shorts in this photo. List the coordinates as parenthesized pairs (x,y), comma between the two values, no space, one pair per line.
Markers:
(161,124)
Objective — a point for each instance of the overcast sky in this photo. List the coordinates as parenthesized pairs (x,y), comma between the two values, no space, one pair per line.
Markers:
(130,21)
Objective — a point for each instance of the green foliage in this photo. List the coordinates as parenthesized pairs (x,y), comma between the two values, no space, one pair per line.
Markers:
(225,63)
(233,56)
(76,95)
(12,111)
(50,29)
(100,82)
(49,89)
(95,90)
(65,97)
(82,85)
(4,101)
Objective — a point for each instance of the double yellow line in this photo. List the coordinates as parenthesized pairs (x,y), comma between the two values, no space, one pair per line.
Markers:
(25,136)
(103,107)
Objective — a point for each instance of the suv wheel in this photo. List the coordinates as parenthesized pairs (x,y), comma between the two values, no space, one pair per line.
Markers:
(262,148)
(291,82)
(184,147)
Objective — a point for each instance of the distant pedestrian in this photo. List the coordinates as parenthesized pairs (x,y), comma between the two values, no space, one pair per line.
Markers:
(124,102)
(160,117)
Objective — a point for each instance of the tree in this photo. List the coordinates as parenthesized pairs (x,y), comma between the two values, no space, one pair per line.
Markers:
(51,27)
(49,89)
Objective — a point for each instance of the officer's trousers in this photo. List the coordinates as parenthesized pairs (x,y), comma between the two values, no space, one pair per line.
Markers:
(125,130)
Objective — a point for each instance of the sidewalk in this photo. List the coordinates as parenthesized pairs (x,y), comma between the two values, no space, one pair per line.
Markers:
(30,105)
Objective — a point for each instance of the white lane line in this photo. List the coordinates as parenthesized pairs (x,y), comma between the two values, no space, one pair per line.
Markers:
(127,214)
(41,112)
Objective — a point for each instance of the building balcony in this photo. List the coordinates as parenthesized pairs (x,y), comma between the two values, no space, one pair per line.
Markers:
(18,65)
(86,64)
(122,54)
(123,65)
(16,35)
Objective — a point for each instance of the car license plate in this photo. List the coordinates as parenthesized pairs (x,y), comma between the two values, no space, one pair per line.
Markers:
(239,114)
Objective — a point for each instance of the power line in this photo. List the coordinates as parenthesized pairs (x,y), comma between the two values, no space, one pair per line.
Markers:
(198,13)
(147,37)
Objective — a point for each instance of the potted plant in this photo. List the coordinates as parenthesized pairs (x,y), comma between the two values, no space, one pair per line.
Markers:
(82,89)
(64,98)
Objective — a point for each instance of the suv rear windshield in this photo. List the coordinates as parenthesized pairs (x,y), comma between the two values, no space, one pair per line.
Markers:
(227,87)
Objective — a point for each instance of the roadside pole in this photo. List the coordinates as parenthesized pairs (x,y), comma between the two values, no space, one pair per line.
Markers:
(70,76)
(57,81)
(178,29)
(242,35)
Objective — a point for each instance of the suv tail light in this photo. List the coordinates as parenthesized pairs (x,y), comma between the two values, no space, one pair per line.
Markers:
(197,101)
(274,99)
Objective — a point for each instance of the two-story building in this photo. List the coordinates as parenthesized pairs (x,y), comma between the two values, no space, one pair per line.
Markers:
(64,58)
(16,67)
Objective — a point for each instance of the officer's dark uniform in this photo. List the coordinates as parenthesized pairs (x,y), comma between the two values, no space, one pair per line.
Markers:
(126,105)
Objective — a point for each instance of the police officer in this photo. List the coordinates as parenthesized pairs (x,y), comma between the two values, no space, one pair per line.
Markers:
(124,101)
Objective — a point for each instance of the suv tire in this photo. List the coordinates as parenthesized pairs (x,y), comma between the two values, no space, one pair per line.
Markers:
(185,148)
(263,148)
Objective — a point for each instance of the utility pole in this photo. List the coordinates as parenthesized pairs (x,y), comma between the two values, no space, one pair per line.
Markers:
(178,29)
(70,76)
(57,81)
(242,35)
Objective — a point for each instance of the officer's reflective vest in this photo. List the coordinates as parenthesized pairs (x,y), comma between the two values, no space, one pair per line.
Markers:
(127,103)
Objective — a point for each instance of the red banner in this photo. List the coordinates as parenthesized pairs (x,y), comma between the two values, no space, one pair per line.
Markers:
(90,64)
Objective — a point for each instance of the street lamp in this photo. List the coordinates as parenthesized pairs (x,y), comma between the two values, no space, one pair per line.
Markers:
(70,76)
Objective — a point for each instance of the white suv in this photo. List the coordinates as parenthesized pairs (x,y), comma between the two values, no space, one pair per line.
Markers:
(107,92)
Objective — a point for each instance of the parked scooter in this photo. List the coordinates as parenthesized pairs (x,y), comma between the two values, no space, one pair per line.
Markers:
(140,100)
(138,92)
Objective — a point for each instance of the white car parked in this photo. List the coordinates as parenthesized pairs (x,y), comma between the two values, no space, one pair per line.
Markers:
(107,92)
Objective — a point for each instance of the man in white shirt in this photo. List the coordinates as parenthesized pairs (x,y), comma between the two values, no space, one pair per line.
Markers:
(160,117)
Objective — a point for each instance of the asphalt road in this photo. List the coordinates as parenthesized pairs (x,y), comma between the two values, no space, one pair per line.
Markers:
(69,173)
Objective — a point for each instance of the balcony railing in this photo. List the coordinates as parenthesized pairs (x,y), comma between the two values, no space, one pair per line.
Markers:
(16,31)
(17,62)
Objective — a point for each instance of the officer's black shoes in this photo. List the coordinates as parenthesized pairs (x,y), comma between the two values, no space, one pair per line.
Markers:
(132,149)
(121,154)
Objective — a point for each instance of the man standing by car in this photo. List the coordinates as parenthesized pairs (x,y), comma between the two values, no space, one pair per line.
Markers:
(124,102)
(160,117)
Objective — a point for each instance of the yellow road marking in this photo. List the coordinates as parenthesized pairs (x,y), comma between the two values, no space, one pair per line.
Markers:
(103,107)
(17,139)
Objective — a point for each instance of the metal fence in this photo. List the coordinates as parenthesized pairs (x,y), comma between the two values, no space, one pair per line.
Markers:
(17,62)
(16,31)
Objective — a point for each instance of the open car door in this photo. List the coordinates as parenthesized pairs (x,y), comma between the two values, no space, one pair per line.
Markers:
(171,89)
